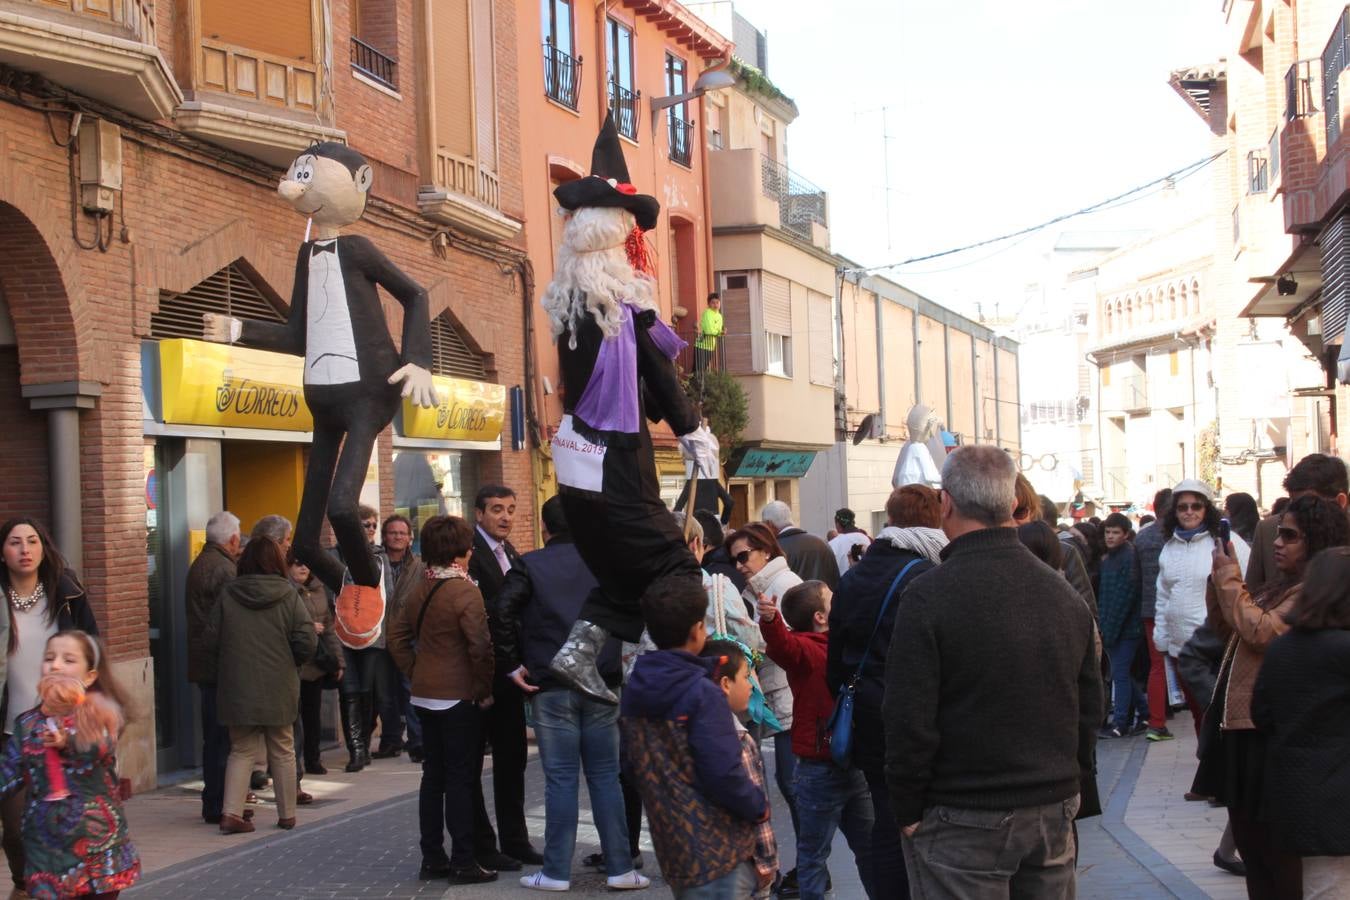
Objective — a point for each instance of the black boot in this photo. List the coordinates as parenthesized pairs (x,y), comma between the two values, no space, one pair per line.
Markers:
(353,725)
(368,723)
(575,662)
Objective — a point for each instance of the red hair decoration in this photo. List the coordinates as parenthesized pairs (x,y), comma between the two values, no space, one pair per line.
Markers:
(639,254)
(625,188)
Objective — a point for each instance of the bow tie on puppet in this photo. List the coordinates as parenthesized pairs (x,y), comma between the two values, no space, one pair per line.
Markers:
(330,247)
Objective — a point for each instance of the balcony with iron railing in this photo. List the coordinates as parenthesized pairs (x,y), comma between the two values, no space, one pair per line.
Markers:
(802,206)
(1335,58)
(627,108)
(1130,394)
(753,189)
(1116,482)
(107,50)
(374,64)
(562,76)
(681,139)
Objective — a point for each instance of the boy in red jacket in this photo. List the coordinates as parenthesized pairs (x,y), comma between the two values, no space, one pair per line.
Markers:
(828,797)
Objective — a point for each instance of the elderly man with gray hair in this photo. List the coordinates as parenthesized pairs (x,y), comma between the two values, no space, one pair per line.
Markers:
(213,568)
(992,703)
(807,555)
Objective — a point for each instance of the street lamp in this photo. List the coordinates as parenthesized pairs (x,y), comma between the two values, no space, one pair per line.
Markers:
(712,79)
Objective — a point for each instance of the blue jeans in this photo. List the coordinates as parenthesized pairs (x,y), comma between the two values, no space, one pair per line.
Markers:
(737,884)
(573,731)
(1127,691)
(215,751)
(831,798)
(784,773)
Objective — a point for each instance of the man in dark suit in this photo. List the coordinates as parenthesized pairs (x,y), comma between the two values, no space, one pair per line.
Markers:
(503,722)
(807,555)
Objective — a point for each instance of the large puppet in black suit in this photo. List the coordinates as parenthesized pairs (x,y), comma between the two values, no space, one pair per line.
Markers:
(354,377)
(616,357)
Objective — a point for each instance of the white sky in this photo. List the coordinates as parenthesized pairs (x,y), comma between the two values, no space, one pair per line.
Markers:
(1000,115)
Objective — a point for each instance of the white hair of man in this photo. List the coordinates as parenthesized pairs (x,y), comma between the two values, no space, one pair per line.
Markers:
(695,527)
(593,274)
(776,513)
(278,528)
(222,527)
(981,479)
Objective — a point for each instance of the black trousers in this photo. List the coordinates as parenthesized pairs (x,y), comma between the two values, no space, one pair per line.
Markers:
(311,705)
(630,539)
(215,750)
(347,420)
(504,728)
(450,773)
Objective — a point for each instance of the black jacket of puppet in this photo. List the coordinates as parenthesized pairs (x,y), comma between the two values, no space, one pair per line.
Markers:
(358,410)
(625,534)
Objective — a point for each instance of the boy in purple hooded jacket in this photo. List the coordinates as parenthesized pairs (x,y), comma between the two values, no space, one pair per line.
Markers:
(681,750)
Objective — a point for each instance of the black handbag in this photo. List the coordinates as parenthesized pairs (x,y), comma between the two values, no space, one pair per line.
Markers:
(841,720)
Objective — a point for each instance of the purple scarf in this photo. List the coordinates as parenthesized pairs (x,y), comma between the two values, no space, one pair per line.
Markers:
(610,401)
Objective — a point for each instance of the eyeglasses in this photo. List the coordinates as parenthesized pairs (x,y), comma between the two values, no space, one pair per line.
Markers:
(1288,535)
(368,526)
(1190,507)
(743,557)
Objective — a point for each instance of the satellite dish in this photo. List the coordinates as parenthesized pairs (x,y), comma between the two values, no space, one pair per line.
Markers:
(865,428)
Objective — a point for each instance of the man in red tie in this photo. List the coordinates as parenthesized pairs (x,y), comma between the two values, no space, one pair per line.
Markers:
(503,722)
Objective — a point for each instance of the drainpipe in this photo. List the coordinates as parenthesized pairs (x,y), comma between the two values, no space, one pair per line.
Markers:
(918,369)
(979,407)
(63,401)
(998,418)
(881,366)
(975,377)
(947,368)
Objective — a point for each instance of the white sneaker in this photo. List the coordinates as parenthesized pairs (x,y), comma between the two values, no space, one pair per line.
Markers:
(628,881)
(541,882)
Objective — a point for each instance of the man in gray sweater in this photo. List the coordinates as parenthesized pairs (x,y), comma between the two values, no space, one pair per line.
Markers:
(992,703)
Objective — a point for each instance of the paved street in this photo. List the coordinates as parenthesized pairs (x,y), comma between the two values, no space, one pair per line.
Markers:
(1149,844)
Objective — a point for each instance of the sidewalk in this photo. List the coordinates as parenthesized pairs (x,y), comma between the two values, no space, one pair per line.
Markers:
(359,839)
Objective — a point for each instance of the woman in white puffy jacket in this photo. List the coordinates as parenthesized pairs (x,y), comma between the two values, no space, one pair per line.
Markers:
(1183,571)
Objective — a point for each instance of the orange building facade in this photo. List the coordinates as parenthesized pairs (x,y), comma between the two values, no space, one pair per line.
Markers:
(576,62)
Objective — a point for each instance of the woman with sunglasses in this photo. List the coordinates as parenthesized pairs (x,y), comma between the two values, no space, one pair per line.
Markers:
(759,557)
(1232,751)
(1190,527)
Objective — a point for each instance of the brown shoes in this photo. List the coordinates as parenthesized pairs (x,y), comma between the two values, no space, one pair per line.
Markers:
(303,798)
(234,825)
(286,824)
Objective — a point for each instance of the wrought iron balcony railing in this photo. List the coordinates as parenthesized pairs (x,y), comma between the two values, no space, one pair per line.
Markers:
(1300,98)
(1334,61)
(375,65)
(627,109)
(562,76)
(800,203)
(681,140)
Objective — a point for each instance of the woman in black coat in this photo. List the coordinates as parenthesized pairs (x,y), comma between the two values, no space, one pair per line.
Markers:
(912,515)
(1302,703)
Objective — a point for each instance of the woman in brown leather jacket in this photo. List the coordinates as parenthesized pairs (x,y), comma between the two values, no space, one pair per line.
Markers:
(1232,750)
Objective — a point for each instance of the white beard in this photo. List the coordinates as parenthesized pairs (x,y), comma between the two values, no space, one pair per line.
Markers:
(593,274)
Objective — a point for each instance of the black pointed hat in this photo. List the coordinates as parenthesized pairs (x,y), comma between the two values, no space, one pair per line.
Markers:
(608,183)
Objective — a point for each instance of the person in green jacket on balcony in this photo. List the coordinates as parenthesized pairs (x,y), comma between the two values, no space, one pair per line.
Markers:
(709,330)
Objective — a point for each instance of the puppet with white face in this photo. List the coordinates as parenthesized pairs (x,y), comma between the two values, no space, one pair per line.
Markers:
(616,357)
(354,377)
(917,463)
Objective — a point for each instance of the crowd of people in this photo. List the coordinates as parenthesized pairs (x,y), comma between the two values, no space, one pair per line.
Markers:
(984,645)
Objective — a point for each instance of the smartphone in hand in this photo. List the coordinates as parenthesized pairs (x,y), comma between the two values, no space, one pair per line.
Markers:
(1225,533)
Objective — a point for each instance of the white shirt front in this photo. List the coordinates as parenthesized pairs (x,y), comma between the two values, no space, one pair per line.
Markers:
(330,343)
(503,561)
(25,663)
(841,544)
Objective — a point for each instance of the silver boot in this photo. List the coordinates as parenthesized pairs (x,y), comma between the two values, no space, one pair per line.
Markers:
(575,662)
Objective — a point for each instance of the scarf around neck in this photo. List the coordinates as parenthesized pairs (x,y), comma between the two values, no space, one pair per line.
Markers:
(926,542)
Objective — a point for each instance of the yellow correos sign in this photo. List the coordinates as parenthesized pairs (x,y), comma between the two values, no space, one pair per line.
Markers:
(232,387)
(468,411)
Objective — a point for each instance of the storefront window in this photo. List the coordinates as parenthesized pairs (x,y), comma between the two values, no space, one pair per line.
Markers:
(432,483)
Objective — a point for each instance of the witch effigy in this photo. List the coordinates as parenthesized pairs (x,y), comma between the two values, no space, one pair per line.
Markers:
(617,362)
(354,377)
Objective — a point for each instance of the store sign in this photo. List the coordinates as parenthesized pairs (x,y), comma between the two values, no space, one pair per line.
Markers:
(467,411)
(233,387)
(753,462)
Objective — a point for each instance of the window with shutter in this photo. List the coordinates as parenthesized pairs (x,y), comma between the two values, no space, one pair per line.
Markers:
(229,292)
(454,72)
(464,105)
(737,313)
(820,338)
(279,27)
(484,84)
(777,301)
(450,354)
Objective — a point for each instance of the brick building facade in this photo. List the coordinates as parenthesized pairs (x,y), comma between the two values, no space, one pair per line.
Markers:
(198,170)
